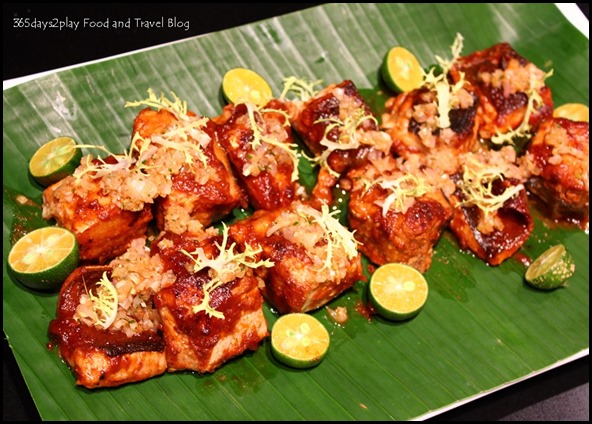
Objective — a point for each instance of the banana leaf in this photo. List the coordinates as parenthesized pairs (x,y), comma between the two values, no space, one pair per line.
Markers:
(482,328)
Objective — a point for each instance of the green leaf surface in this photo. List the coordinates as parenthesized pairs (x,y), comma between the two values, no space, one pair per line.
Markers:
(482,327)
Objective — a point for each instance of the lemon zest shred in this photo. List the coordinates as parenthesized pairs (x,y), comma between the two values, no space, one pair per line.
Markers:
(223,268)
(477,187)
(303,88)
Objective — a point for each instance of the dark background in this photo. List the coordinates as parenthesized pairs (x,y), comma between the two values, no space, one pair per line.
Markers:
(28,51)
(559,394)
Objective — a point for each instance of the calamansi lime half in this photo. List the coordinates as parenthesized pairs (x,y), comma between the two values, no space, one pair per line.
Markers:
(43,258)
(573,111)
(398,291)
(241,85)
(55,160)
(299,340)
(551,269)
(401,70)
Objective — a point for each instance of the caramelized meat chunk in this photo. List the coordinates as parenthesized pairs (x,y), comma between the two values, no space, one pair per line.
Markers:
(335,103)
(338,127)
(411,120)
(558,158)
(261,148)
(491,213)
(102,357)
(505,83)
(314,256)
(103,228)
(195,184)
(397,212)
(208,317)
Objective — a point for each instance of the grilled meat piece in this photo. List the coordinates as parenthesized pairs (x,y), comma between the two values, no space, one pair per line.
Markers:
(491,213)
(196,339)
(102,227)
(336,102)
(397,213)
(340,130)
(500,244)
(98,357)
(504,81)
(314,256)
(199,187)
(261,148)
(411,120)
(558,157)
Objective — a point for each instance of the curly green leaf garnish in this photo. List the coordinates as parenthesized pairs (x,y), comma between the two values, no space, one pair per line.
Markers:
(104,303)
(348,137)
(477,187)
(176,106)
(134,160)
(456,49)
(304,89)
(336,234)
(534,100)
(227,266)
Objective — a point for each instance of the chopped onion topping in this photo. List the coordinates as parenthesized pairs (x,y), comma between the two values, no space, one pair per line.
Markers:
(260,136)
(403,190)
